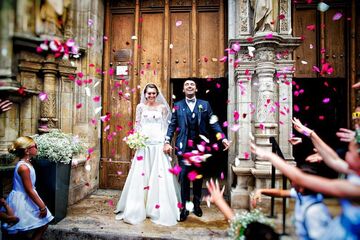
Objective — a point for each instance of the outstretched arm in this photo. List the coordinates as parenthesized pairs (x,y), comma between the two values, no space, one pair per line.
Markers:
(332,187)
(328,154)
(216,197)
(272,192)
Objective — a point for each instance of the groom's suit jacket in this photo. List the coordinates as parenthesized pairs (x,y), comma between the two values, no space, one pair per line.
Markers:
(179,122)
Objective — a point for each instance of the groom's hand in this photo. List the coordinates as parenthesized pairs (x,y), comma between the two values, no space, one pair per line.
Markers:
(167,148)
(226,144)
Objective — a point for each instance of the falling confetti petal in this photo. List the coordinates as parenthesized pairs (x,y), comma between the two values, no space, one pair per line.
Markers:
(204,138)
(189,206)
(296,108)
(304,62)
(88,167)
(96,98)
(222,175)
(322,7)
(251,50)
(43,96)
(213,119)
(246,155)
(337,16)
(139,158)
(157,206)
(326,100)
(87,91)
(175,170)
(178,23)
(192,176)
(79,105)
(321,117)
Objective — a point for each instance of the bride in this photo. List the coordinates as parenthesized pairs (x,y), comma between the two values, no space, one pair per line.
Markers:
(150,189)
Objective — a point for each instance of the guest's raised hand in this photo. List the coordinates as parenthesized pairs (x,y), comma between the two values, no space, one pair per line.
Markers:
(295,140)
(214,189)
(301,128)
(255,197)
(314,158)
(258,151)
(356,85)
(346,135)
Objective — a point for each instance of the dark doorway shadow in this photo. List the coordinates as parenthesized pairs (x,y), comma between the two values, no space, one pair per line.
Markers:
(324,117)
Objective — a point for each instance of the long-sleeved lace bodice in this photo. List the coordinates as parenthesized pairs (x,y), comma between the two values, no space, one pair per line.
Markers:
(152,122)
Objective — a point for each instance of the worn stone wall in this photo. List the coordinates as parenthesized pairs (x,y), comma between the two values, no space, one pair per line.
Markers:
(25,24)
(259,72)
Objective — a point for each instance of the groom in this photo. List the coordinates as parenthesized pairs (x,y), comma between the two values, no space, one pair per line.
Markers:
(191,118)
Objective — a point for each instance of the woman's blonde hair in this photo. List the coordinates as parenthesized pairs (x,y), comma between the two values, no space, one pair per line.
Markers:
(19,145)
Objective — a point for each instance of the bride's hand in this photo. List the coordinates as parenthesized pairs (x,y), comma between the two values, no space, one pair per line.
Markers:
(167,148)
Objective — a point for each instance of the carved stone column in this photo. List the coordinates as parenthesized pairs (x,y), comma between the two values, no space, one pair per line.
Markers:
(48,112)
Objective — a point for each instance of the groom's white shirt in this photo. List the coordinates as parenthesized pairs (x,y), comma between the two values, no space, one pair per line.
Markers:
(191,103)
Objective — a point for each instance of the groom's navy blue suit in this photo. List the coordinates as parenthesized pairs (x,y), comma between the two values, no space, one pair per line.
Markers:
(189,125)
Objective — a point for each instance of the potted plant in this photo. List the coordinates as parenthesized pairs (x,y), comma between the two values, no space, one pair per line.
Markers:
(52,166)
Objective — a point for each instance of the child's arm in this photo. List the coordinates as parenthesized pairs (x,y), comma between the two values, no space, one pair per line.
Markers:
(272,192)
(332,187)
(24,173)
(216,197)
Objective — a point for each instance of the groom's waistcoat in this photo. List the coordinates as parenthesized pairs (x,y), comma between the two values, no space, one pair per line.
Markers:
(193,126)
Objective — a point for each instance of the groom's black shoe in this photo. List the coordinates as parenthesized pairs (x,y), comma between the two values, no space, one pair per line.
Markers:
(197,211)
(183,214)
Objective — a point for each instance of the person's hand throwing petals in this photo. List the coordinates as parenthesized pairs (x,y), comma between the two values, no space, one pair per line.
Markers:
(345,135)
(301,128)
(214,189)
(295,140)
(356,85)
(261,153)
(255,197)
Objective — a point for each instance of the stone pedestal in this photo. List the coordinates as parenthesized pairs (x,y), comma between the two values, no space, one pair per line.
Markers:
(240,194)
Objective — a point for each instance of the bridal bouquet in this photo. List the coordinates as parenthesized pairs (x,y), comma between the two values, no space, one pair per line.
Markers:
(135,140)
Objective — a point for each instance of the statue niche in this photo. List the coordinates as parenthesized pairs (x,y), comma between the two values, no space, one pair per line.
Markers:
(263,15)
(53,17)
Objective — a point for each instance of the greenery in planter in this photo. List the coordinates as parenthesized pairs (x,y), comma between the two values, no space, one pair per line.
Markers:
(57,146)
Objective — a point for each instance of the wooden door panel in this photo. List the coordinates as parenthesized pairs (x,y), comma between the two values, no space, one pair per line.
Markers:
(335,43)
(208,44)
(151,52)
(116,154)
(180,58)
(308,50)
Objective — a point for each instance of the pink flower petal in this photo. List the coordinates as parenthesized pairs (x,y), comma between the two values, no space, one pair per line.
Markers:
(222,175)
(192,175)
(96,98)
(79,105)
(179,205)
(337,16)
(175,170)
(43,96)
(157,206)
(246,155)
(178,23)
(326,100)
(296,108)
(215,146)
(139,158)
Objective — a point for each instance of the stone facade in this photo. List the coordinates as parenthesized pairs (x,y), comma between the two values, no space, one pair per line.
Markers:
(260,77)
(22,66)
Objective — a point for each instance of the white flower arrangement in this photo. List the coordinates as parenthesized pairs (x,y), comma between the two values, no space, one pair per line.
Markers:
(240,221)
(135,140)
(57,146)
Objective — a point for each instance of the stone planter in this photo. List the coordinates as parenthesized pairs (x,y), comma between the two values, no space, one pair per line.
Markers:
(52,184)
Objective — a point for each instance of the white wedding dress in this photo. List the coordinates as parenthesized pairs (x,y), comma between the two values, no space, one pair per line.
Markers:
(150,189)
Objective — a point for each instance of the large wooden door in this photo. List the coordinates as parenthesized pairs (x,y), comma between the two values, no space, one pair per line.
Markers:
(322,97)
(152,41)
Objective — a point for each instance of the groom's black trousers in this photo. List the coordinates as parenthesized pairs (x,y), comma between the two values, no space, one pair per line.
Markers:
(185,183)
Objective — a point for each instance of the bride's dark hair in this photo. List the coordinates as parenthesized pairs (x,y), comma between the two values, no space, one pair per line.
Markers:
(151,85)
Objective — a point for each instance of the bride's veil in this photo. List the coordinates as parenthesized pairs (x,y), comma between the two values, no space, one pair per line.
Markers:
(159,99)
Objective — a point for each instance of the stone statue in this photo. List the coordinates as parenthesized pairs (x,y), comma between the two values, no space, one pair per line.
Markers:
(263,15)
(53,17)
